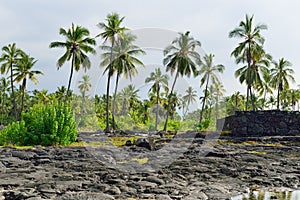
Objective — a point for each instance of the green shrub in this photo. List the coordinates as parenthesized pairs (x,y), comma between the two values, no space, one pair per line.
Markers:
(46,125)
(173,125)
(202,126)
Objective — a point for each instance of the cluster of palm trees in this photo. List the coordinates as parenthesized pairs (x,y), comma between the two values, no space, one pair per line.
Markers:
(260,73)
(121,59)
(18,65)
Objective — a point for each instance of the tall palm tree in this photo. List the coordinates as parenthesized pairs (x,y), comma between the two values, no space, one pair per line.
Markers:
(281,74)
(218,91)
(4,85)
(111,30)
(23,70)
(189,97)
(9,58)
(77,45)
(124,62)
(252,42)
(208,71)
(84,86)
(159,81)
(182,59)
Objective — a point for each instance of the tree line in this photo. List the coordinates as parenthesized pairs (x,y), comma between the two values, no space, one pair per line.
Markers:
(120,58)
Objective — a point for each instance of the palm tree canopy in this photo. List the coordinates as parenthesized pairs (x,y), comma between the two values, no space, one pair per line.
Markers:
(123,55)
(250,34)
(84,84)
(112,28)
(77,44)
(208,69)
(190,96)
(9,57)
(281,74)
(158,79)
(181,55)
(24,67)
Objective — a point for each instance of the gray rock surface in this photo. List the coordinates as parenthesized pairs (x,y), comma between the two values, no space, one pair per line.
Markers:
(233,166)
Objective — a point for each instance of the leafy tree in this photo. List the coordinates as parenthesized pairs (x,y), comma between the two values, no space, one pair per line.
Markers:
(208,71)
(281,74)
(111,30)
(252,43)
(23,70)
(9,59)
(77,45)
(159,81)
(182,59)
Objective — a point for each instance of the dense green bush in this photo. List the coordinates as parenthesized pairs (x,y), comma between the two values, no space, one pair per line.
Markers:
(46,125)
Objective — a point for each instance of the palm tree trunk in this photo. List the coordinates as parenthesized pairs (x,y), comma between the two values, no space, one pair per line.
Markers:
(23,94)
(169,105)
(249,78)
(82,102)
(107,128)
(203,104)
(70,78)
(13,93)
(264,100)
(217,107)
(252,99)
(278,99)
(157,106)
(114,103)
(2,107)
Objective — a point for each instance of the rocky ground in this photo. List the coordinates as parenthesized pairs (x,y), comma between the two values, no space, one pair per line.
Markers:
(218,171)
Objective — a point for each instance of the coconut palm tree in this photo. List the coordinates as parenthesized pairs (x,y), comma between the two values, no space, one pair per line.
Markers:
(24,71)
(159,81)
(9,58)
(189,98)
(218,91)
(77,45)
(4,85)
(182,59)
(281,74)
(124,62)
(84,86)
(208,71)
(252,42)
(111,30)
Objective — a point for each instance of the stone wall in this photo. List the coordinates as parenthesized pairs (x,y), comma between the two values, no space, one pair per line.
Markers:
(261,123)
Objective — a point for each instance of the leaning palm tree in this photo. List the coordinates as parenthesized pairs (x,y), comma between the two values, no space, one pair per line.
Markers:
(281,74)
(252,42)
(189,98)
(9,58)
(124,62)
(208,71)
(111,30)
(84,86)
(182,59)
(77,45)
(159,81)
(23,71)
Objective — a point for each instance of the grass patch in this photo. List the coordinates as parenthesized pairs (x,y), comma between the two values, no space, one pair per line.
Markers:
(141,160)
(258,152)
(121,141)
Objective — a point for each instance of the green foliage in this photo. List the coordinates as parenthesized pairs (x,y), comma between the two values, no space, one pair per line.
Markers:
(202,126)
(173,125)
(51,124)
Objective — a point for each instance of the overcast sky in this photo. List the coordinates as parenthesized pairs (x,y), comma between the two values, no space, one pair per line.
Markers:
(34,24)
